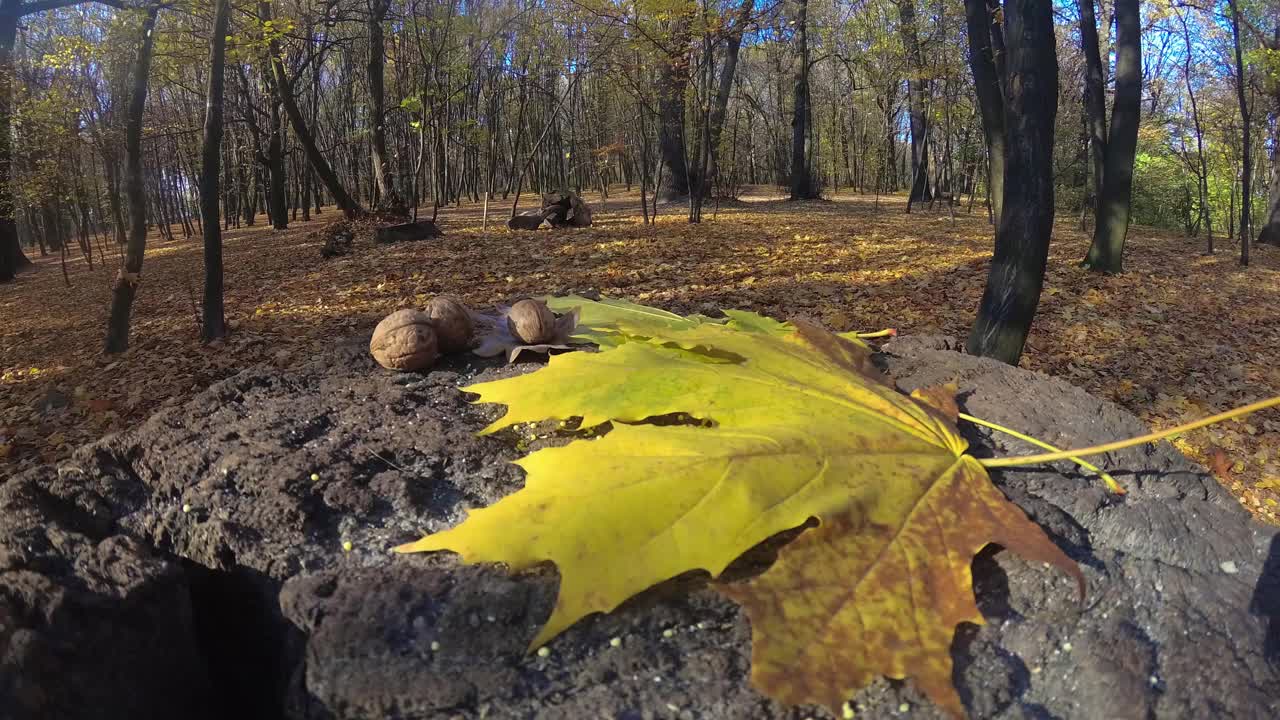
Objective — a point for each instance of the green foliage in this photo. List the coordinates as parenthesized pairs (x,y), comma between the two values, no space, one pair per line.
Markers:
(1162,189)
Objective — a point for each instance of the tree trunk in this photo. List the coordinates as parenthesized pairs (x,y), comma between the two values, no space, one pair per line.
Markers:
(673,79)
(1111,224)
(284,90)
(801,180)
(277,208)
(12,259)
(111,168)
(1270,232)
(1246,189)
(1095,98)
(917,98)
(1022,238)
(126,282)
(214,325)
(1202,186)
(388,198)
(990,96)
(733,48)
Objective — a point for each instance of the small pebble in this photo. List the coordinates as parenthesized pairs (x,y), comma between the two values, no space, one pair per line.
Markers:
(1229,567)
(346,546)
(544,651)
(615,642)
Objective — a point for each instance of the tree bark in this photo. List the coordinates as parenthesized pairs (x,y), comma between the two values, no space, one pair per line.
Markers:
(981,25)
(801,179)
(917,98)
(1246,189)
(1111,226)
(1270,232)
(1017,269)
(388,198)
(12,259)
(1203,185)
(277,180)
(214,325)
(673,79)
(127,279)
(1095,98)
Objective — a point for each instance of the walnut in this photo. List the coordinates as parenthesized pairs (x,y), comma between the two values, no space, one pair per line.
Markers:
(404,340)
(532,322)
(452,321)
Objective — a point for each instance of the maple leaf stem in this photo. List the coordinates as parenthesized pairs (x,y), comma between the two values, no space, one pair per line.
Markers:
(1016,460)
(887,332)
(1112,485)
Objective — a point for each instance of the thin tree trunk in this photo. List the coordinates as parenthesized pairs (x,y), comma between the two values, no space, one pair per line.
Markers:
(1095,99)
(1202,187)
(733,48)
(127,279)
(214,325)
(284,90)
(986,82)
(1246,189)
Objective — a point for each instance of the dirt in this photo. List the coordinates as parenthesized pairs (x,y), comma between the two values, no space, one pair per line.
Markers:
(196,566)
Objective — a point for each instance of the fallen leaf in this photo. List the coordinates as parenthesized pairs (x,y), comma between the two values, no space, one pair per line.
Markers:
(1220,464)
(941,398)
(800,428)
(99,405)
(856,597)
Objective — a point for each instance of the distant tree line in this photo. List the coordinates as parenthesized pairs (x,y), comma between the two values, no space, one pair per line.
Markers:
(1162,112)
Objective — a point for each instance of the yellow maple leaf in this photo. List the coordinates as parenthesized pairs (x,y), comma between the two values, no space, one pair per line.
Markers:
(855,598)
(801,426)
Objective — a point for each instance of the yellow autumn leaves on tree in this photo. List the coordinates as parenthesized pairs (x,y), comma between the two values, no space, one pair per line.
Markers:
(795,424)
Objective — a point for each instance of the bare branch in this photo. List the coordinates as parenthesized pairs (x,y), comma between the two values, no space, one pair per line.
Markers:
(38,6)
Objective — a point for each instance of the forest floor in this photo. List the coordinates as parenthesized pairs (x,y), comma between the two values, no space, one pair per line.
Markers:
(1178,336)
